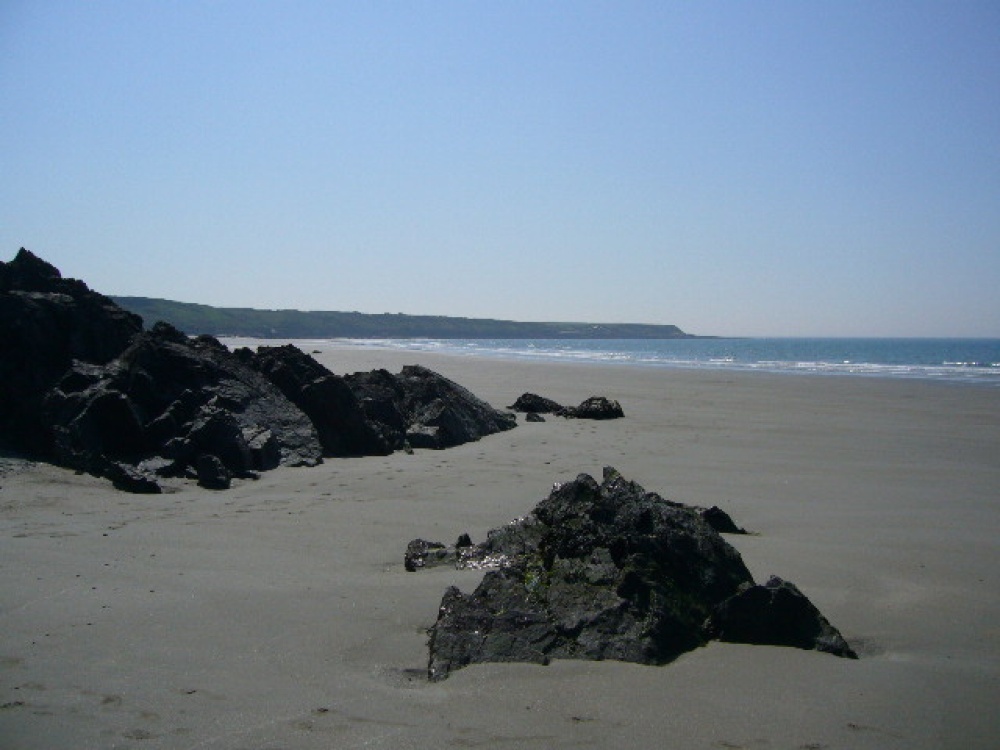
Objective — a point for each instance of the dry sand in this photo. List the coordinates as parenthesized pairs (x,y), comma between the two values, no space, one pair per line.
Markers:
(278,615)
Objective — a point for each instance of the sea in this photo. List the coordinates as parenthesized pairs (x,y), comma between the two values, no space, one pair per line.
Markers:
(970,361)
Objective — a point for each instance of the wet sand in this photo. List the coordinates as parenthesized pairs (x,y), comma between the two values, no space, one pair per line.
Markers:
(278,614)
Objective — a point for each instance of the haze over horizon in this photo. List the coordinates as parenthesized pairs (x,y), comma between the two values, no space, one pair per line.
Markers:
(767,169)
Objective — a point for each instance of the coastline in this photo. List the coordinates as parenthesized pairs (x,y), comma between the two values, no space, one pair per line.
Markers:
(278,613)
(970,361)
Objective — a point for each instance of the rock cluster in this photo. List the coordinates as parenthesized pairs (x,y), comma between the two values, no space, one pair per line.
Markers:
(82,385)
(609,571)
(166,404)
(595,407)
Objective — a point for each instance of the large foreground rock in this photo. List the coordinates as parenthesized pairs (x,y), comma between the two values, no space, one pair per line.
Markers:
(597,571)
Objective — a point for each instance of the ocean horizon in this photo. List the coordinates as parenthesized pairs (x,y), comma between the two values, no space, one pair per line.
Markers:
(974,361)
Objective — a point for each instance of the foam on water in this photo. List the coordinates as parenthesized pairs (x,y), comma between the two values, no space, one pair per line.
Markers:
(974,361)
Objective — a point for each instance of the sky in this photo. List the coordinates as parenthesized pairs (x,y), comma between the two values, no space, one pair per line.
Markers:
(733,168)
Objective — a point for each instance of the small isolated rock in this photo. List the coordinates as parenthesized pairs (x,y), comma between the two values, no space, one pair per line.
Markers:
(595,407)
(776,614)
(721,521)
(533,416)
(423,554)
(532,402)
(130,479)
(212,473)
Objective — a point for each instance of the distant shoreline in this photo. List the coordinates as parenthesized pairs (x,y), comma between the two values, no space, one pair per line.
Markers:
(196,319)
(967,362)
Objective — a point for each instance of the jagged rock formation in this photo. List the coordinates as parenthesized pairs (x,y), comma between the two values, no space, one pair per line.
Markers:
(327,399)
(180,399)
(607,571)
(423,409)
(47,322)
(81,384)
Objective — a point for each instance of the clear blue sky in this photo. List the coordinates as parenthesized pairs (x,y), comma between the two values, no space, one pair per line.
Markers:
(734,168)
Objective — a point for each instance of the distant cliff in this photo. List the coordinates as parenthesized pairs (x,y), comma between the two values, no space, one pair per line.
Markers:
(296,324)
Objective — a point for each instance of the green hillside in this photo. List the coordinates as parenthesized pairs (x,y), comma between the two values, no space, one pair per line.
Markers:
(296,324)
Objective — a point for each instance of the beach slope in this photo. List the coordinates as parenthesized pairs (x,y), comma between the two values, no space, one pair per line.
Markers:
(278,614)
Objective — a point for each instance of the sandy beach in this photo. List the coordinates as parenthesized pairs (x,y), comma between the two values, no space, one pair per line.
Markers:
(278,615)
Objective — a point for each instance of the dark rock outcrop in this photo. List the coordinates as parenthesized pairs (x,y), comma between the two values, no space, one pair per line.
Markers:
(180,398)
(776,614)
(212,473)
(422,554)
(422,409)
(129,479)
(595,407)
(596,571)
(532,402)
(47,322)
(82,385)
(327,399)
(719,520)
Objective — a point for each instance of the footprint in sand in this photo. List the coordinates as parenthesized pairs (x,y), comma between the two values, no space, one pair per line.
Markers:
(138,734)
